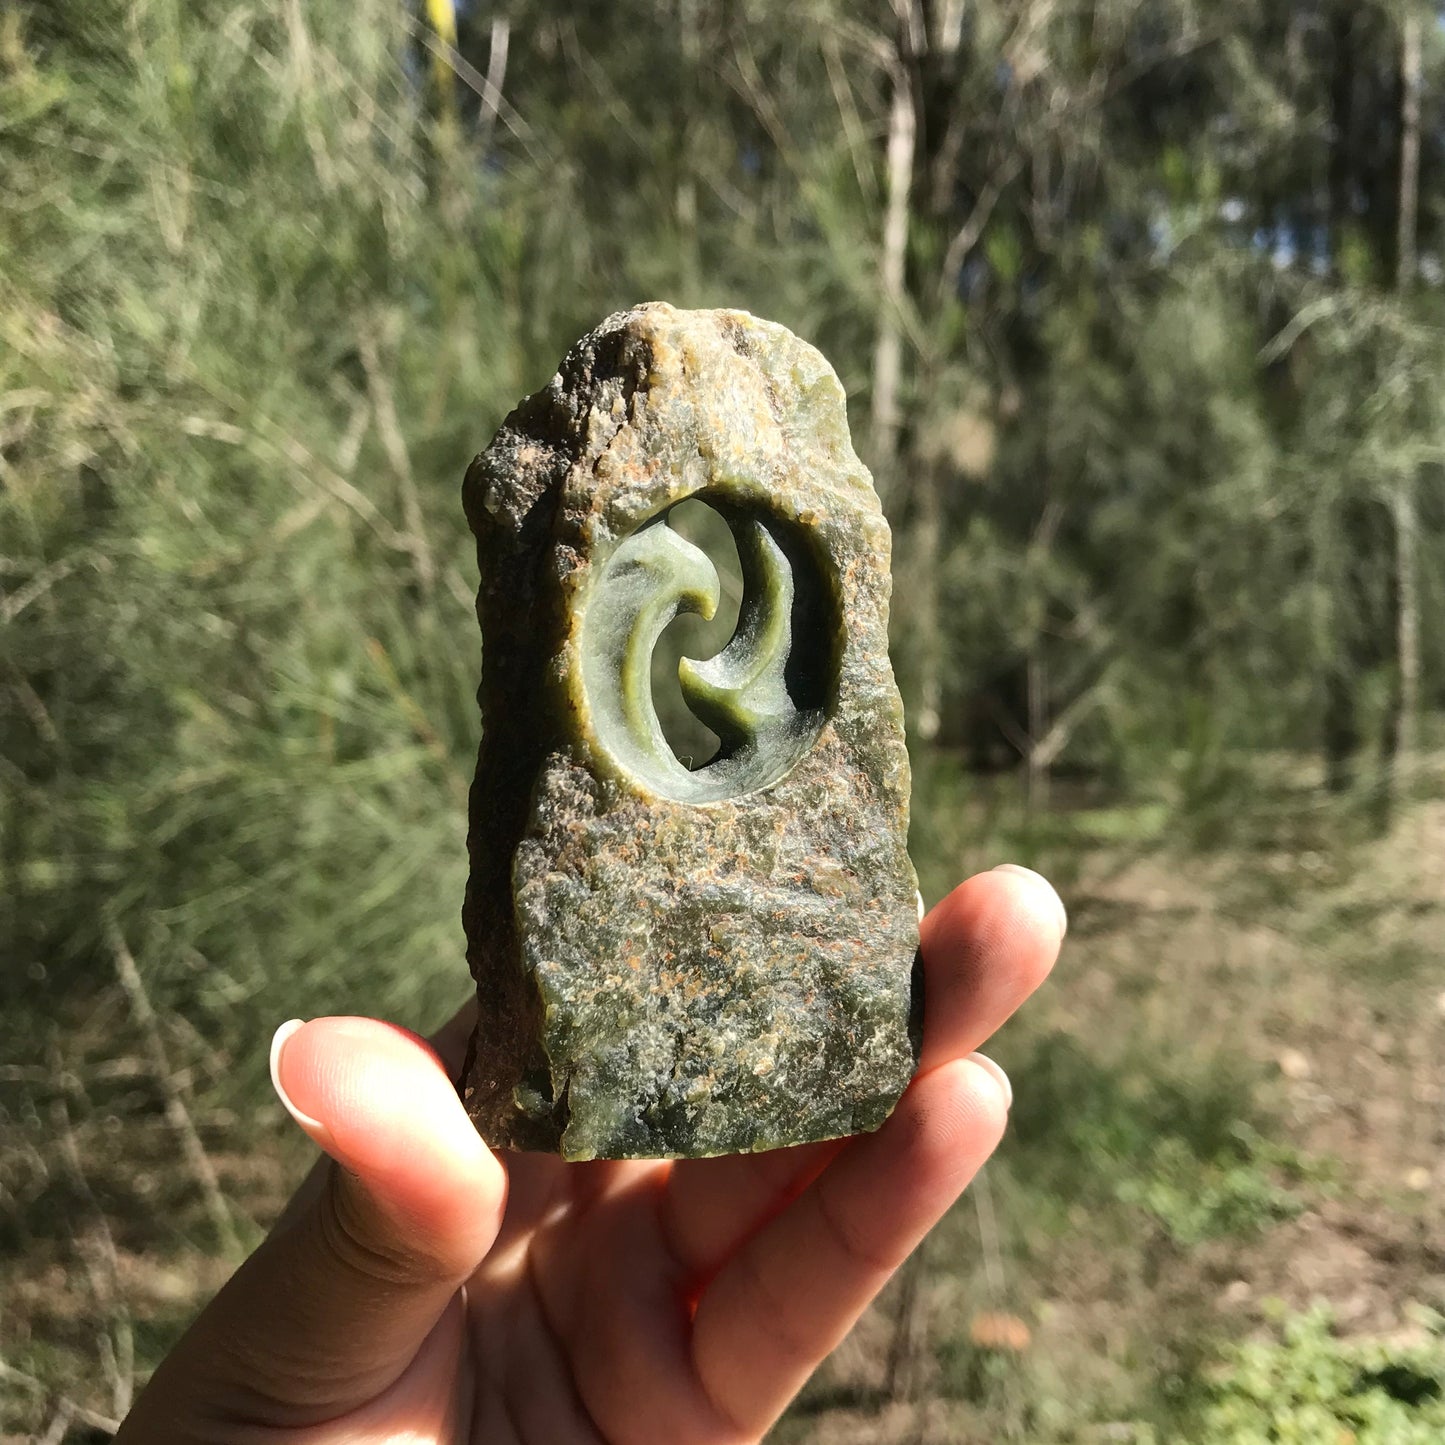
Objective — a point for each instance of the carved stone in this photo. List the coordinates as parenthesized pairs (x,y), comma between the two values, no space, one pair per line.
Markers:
(673,961)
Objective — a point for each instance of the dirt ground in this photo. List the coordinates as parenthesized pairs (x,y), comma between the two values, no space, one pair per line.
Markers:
(1319,979)
(1324,980)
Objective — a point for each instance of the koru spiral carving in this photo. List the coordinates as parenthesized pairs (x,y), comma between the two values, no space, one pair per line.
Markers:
(765,694)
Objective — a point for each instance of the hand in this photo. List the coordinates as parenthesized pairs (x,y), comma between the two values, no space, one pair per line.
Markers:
(422,1288)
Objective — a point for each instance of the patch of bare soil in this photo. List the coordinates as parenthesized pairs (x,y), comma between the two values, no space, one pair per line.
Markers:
(1325,977)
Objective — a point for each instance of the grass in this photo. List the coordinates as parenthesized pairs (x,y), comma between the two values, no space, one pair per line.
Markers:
(1228,1095)
(1221,1101)
(1310,1384)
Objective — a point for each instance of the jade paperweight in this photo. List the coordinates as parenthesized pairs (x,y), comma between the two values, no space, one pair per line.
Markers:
(677,960)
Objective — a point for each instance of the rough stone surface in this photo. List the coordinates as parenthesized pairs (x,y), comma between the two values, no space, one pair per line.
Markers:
(671,962)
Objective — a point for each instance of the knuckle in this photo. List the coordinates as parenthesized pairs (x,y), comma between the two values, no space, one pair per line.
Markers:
(854,1244)
(356,1232)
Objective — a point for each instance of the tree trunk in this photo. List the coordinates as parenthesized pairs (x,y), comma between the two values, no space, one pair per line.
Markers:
(685,197)
(1404,741)
(1342,126)
(1401,737)
(923,567)
(1341,724)
(1412,76)
(885,418)
(1036,764)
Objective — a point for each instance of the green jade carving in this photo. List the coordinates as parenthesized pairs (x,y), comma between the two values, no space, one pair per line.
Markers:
(675,960)
(744,694)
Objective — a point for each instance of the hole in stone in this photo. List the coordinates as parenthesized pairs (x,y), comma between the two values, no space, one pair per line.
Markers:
(694,744)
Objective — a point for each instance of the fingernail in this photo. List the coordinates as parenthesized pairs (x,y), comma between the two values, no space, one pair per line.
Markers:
(1039,878)
(921,909)
(314,1128)
(1000,1078)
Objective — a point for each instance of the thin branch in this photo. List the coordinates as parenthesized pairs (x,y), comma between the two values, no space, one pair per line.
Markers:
(981,1191)
(900,1372)
(305,85)
(848,116)
(971,232)
(1412,83)
(476,82)
(177,1115)
(1179,49)
(416,715)
(63,1404)
(884,418)
(753,90)
(388,428)
(496,74)
(1047,529)
(349,448)
(24,398)
(13,605)
(32,704)
(305,468)
(118,1355)
(1018,739)
(59,1427)
(1046,751)
(1306,317)
(457,586)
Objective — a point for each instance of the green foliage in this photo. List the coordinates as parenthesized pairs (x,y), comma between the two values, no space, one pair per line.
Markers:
(1313,1388)
(264,294)
(1194,1200)
(265,288)
(1183,1147)
(239,654)
(1303,1386)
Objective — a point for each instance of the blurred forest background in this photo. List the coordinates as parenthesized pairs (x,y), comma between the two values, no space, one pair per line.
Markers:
(1140,308)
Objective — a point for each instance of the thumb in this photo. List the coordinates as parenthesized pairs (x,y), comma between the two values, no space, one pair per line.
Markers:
(334,1306)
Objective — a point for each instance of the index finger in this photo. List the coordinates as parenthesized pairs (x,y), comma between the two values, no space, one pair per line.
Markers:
(985,948)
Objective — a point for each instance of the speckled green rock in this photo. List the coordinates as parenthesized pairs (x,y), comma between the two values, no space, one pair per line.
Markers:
(674,962)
